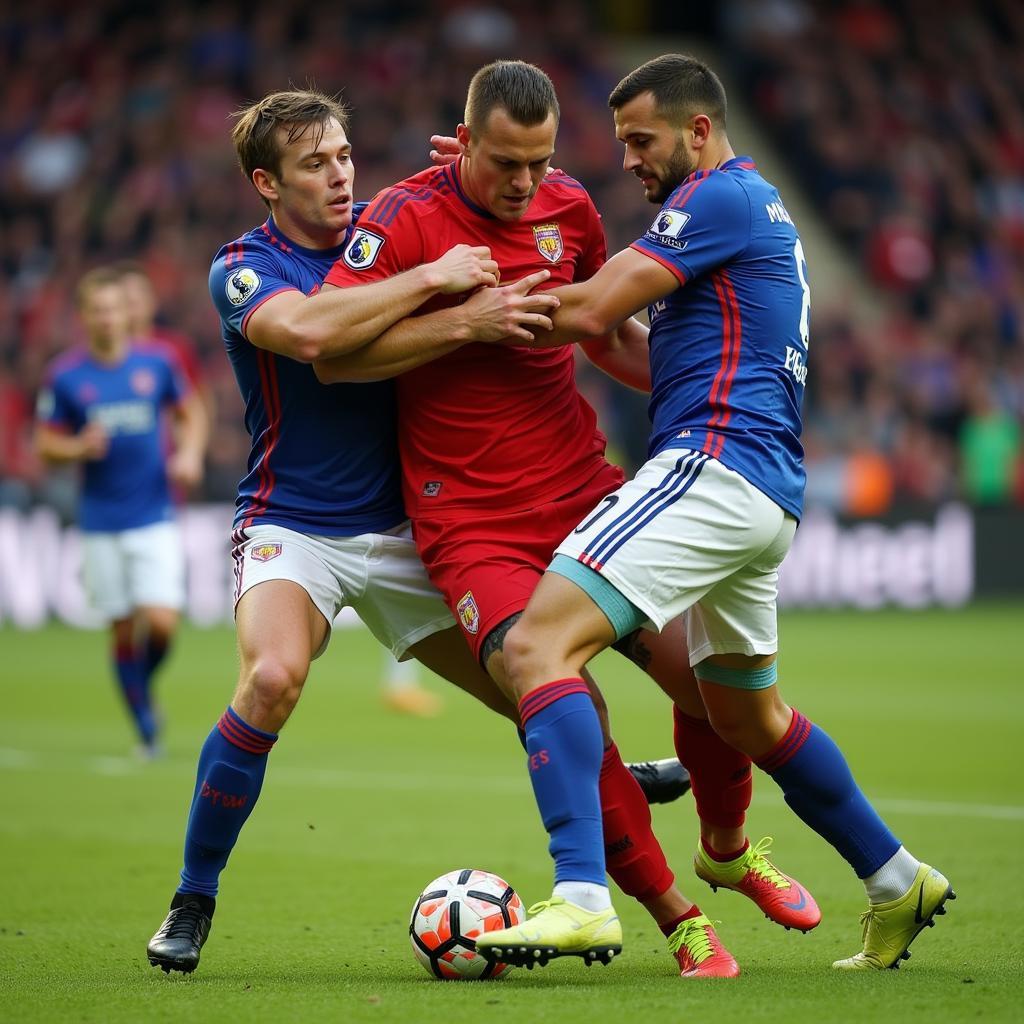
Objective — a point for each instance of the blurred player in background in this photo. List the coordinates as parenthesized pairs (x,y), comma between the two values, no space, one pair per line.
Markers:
(700,530)
(401,690)
(143,307)
(103,406)
(501,456)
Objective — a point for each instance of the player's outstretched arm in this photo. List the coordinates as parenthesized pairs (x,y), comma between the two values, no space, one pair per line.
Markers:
(624,354)
(509,314)
(626,284)
(336,321)
(54,445)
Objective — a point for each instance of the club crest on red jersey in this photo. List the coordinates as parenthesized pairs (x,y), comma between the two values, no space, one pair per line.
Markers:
(264,552)
(549,242)
(469,614)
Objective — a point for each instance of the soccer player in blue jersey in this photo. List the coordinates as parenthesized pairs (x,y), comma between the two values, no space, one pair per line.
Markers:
(701,529)
(103,406)
(319,522)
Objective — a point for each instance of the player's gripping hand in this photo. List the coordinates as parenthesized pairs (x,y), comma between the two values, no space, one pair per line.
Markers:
(511,314)
(94,442)
(464,267)
(446,149)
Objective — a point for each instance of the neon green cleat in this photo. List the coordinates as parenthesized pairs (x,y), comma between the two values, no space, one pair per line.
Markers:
(558,928)
(699,951)
(889,928)
(780,897)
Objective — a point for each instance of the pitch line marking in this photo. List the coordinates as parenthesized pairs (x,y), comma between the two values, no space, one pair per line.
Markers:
(335,778)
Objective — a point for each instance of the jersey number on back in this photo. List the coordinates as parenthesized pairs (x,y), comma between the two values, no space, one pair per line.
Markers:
(805,304)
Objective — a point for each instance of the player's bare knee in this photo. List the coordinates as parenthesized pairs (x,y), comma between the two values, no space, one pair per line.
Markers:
(123,631)
(271,687)
(733,726)
(162,628)
(524,658)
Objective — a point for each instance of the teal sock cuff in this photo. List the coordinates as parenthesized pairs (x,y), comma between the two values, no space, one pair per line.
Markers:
(624,616)
(739,678)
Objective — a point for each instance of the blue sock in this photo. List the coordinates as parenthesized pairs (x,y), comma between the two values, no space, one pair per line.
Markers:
(231,768)
(133,689)
(565,748)
(817,784)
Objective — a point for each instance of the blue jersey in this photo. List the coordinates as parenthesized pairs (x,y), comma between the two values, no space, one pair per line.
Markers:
(729,349)
(128,487)
(324,459)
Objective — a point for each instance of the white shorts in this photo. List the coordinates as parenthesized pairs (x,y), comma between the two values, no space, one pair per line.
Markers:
(379,575)
(131,569)
(688,534)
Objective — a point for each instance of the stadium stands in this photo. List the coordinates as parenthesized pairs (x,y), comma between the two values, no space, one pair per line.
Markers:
(906,130)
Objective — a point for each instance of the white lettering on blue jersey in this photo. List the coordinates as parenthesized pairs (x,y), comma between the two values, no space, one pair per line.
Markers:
(134,417)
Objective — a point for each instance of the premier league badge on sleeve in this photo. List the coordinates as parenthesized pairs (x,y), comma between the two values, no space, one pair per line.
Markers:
(667,226)
(361,253)
(549,242)
(469,614)
(241,286)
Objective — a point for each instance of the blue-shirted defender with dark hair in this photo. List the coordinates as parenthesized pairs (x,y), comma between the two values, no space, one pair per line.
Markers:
(701,529)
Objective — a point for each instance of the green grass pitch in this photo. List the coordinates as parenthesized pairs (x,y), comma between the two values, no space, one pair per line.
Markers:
(362,807)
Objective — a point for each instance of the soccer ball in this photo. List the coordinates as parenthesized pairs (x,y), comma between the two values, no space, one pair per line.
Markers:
(451,912)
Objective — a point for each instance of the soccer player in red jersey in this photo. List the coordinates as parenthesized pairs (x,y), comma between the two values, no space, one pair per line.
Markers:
(501,456)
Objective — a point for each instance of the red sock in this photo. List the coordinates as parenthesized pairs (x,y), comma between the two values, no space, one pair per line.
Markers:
(719,775)
(633,856)
(723,858)
(668,929)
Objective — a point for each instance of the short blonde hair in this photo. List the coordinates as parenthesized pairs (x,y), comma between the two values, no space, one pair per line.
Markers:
(98,277)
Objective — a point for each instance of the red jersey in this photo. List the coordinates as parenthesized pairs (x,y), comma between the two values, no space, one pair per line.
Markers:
(486,427)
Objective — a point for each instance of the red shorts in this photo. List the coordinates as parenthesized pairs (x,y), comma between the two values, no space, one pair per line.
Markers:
(488,566)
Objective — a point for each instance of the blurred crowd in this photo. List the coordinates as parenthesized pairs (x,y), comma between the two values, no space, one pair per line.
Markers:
(905,124)
(906,129)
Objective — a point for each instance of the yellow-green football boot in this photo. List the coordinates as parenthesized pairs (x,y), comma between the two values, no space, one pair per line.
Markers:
(556,928)
(890,928)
